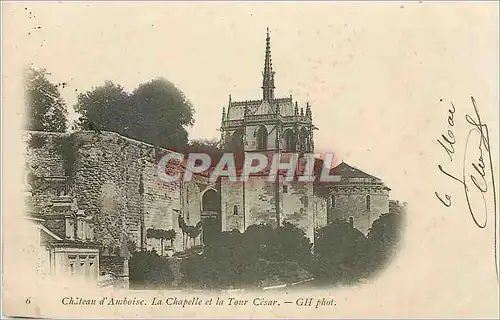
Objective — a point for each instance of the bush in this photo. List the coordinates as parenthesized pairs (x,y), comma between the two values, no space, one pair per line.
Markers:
(148,270)
(260,255)
(344,254)
(340,253)
(383,239)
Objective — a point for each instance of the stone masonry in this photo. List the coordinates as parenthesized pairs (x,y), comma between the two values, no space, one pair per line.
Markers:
(115,179)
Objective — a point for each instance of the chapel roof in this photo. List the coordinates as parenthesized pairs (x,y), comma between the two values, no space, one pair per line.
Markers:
(236,109)
(347,171)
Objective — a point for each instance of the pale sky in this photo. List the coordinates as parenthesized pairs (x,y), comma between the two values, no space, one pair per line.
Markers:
(367,69)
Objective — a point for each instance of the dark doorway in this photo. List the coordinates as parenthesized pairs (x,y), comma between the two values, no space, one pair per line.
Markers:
(211,216)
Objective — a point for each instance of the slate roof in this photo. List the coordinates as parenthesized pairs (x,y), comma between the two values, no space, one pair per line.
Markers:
(236,108)
(347,171)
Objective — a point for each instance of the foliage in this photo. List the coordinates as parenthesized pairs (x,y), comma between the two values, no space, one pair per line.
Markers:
(260,256)
(339,253)
(224,263)
(161,235)
(344,254)
(384,237)
(108,107)
(46,109)
(36,141)
(148,270)
(161,112)
(156,112)
(205,146)
(286,243)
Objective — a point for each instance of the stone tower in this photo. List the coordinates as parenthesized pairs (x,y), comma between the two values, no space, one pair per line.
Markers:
(269,125)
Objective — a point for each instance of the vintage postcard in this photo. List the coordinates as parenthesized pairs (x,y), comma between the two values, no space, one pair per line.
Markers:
(250,160)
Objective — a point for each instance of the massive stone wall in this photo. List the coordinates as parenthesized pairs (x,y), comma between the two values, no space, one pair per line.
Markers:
(352,202)
(320,210)
(115,180)
(232,200)
(297,205)
(255,202)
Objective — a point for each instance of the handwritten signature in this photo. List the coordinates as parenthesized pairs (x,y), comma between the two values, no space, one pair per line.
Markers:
(477,170)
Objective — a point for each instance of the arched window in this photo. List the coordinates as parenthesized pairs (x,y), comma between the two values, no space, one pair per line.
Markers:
(289,141)
(368,202)
(235,210)
(351,222)
(332,201)
(303,140)
(261,136)
(234,142)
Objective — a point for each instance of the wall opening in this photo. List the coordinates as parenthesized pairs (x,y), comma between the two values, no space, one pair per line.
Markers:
(289,139)
(261,136)
(211,215)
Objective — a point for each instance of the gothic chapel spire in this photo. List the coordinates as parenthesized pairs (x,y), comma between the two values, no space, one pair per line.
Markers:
(268,74)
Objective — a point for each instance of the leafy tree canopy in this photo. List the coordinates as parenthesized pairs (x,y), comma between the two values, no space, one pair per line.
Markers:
(156,112)
(109,107)
(340,252)
(46,109)
(206,146)
(383,240)
(258,255)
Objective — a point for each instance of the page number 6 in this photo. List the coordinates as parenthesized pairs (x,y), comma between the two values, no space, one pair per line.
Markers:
(28,301)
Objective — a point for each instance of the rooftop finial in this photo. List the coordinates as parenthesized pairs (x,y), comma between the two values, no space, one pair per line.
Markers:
(268,74)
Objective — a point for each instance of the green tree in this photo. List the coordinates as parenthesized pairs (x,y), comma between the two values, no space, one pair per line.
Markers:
(156,112)
(206,146)
(46,109)
(340,253)
(107,107)
(161,113)
(148,270)
(161,235)
(294,245)
(261,255)
(384,237)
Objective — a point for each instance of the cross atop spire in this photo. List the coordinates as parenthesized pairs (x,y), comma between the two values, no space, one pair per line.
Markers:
(268,74)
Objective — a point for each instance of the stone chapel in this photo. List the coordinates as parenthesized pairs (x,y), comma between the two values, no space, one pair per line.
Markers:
(278,125)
